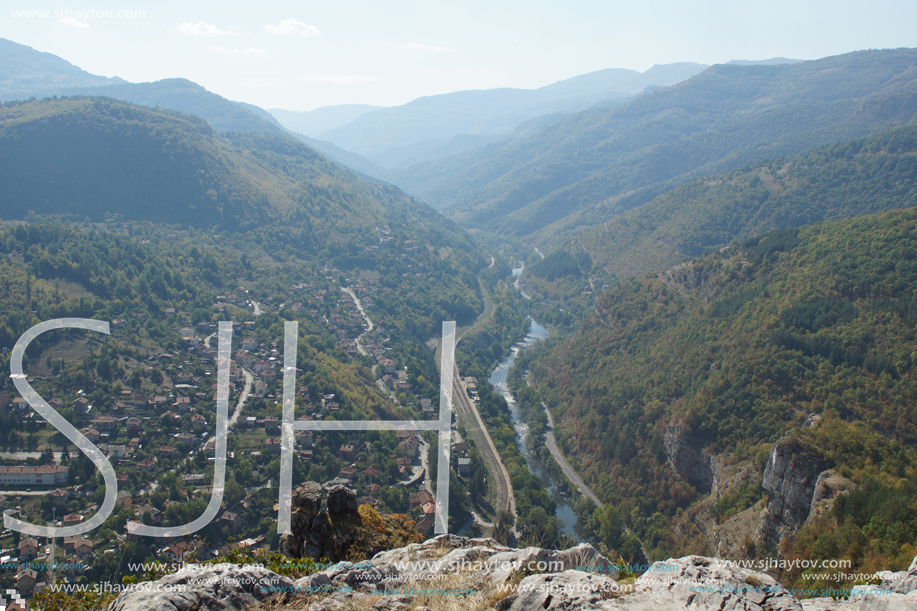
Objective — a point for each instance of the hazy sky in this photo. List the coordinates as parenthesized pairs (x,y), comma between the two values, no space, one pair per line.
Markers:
(305,54)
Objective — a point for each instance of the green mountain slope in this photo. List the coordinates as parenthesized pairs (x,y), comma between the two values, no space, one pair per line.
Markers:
(726,117)
(737,349)
(25,72)
(190,98)
(92,156)
(855,177)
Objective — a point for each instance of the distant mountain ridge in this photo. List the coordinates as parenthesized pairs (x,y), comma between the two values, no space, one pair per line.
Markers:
(386,136)
(313,123)
(25,73)
(851,178)
(723,118)
(174,93)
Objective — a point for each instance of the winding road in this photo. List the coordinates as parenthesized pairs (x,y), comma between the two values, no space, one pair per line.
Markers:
(366,317)
(243,396)
(568,470)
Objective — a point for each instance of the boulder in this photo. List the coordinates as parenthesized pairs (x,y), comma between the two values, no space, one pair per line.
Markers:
(220,587)
(341,500)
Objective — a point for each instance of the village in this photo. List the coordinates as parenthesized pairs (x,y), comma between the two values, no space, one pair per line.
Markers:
(160,439)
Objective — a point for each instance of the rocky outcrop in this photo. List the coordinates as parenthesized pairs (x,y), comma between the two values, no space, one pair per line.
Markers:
(687,458)
(697,582)
(482,574)
(828,487)
(220,587)
(790,480)
(341,531)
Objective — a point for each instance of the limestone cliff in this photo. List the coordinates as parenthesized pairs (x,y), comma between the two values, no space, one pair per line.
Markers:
(449,573)
(790,479)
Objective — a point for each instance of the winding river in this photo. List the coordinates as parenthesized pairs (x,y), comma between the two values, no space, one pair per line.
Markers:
(498,379)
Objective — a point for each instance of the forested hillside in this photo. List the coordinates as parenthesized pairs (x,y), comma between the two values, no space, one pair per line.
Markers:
(726,117)
(851,178)
(737,349)
(97,156)
(103,161)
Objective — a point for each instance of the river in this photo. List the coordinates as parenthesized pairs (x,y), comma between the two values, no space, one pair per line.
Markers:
(498,379)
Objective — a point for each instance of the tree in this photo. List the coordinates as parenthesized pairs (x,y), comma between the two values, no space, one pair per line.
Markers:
(233,492)
(47,456)
(503,528)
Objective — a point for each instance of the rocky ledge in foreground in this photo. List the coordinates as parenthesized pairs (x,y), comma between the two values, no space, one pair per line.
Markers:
(451,572)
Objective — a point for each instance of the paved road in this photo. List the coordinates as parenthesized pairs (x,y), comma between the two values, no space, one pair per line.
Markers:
(246,390)
(369,321)
(28,455)
(243,397)
(568,470)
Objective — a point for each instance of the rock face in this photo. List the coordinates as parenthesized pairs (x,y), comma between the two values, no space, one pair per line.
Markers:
(318,533)
(697,582)
(688,460)
(341,500)
(342,531)
(220,587)
(790,480)
(482,574)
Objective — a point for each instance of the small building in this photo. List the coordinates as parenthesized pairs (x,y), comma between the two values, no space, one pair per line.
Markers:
(81,406)
(233,520)
(424,525)
(124,499)
(408,447)
(28,548)
(185,439)
(26,579)
(103,423)
(72,519)
(167,451)
(80,546)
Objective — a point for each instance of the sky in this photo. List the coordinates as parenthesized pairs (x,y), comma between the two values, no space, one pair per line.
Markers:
(301,55)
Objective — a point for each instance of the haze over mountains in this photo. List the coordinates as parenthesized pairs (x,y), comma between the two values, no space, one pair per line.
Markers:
(726,117)
(394,136)
(547,164)
(25,72)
